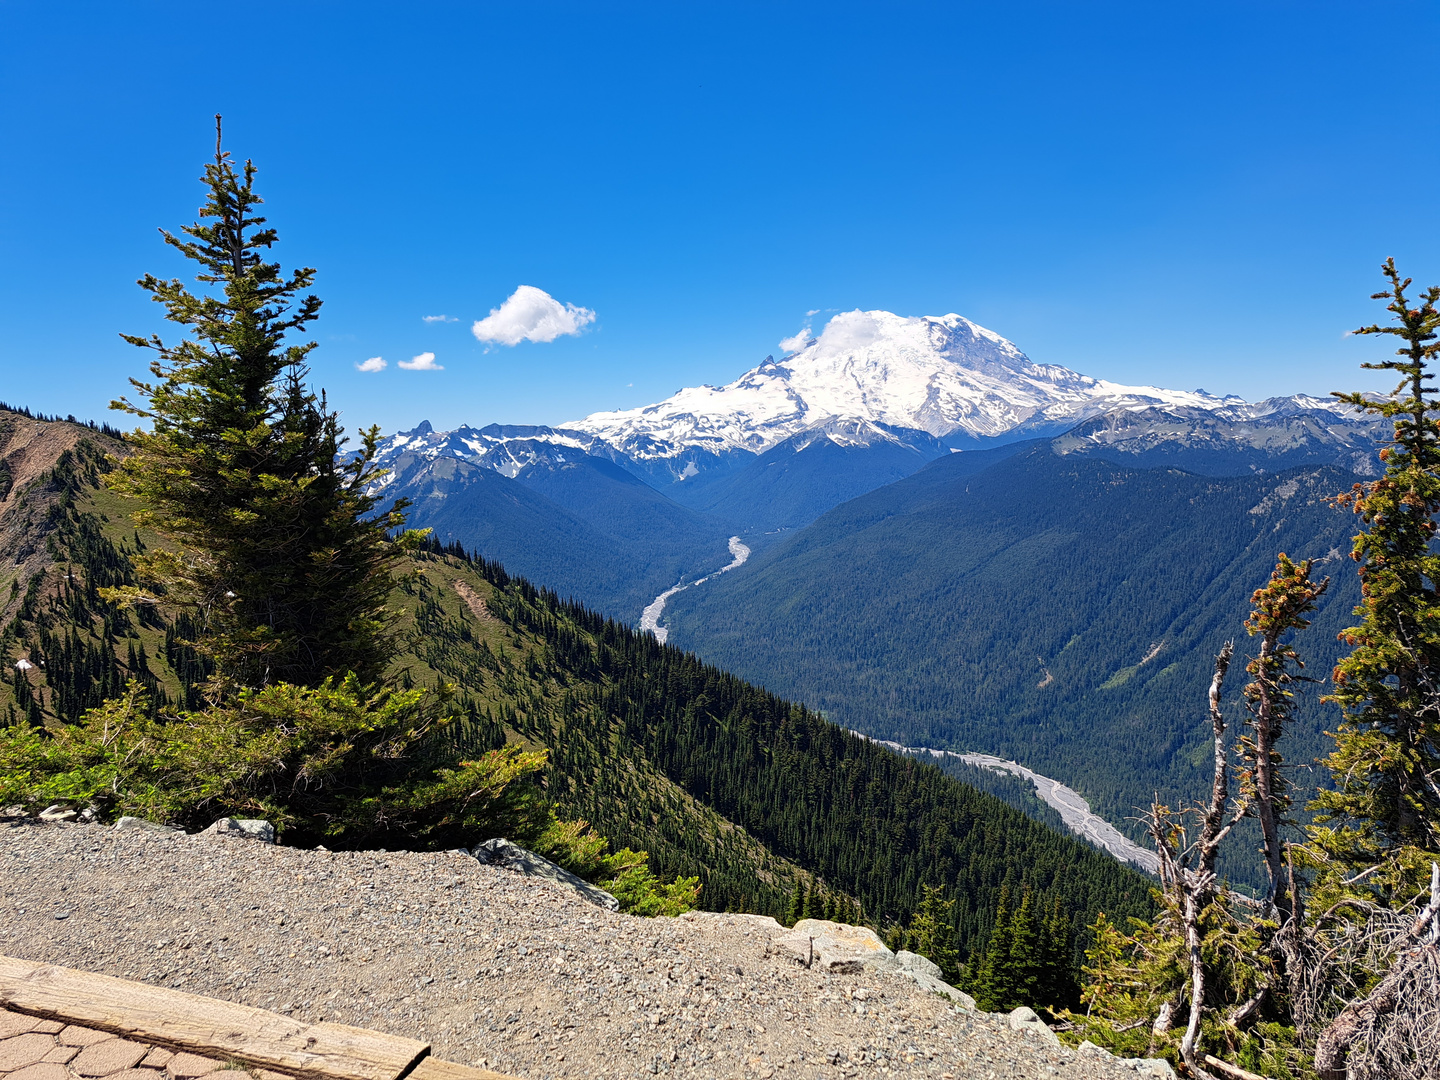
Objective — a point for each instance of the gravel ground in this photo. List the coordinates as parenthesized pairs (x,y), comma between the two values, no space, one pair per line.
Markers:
(491,967)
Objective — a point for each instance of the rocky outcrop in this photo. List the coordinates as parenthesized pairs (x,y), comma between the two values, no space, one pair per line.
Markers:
(1025,1019)
(503,853)
(243,828)
(839,949)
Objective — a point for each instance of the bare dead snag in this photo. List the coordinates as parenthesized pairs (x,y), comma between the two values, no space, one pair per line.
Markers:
(1188,871)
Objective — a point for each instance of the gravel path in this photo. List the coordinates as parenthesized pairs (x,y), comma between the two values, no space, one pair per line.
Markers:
(491,967)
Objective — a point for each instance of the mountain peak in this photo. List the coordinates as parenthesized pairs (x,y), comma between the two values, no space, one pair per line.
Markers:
(941,374)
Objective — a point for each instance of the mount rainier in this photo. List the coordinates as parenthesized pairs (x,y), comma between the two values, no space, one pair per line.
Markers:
(869,377)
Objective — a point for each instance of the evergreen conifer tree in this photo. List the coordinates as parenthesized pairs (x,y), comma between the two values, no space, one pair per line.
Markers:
(931,932)
(815,903)
(1024,960)
(273,536)
(797,903)
(992,985)
(1386,764)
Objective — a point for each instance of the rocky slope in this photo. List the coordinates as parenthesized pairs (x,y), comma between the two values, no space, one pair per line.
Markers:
(493,968)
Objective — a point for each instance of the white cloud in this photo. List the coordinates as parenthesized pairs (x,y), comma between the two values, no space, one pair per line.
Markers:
(438,318)
(796,343)
(375,363)
(424,362)
(847,331)
(812,313)
(531,314)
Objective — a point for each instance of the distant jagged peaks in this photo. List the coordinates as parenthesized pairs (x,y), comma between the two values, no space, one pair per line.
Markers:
(870,376)
(941,375)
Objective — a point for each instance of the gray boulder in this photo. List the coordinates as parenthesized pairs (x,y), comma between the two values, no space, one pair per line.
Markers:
(245,828)
(848,950)
(502,853)
(58,812)
(835,947)
(135,824)
(1024,1019)
(1156,1068)
(927,974)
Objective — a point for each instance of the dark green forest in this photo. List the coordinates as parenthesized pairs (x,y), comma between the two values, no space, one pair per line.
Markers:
(655,749)
(1057,611)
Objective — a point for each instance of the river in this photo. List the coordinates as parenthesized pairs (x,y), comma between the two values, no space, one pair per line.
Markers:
(1069,803)
(650,617)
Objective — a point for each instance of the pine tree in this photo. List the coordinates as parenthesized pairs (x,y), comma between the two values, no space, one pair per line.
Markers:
(797,903)
(272,536)
(1058,988)
(815,903)
(992,985)
(1387,754)
(931,932)
(1024,960)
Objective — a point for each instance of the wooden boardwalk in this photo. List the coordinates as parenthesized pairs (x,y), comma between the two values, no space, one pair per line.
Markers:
(58,1023)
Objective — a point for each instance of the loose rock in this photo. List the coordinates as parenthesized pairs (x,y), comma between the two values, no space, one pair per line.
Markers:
(246,828)
(501,852)
(493,968)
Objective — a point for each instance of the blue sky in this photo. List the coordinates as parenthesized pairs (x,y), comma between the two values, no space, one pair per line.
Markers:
(1187,195)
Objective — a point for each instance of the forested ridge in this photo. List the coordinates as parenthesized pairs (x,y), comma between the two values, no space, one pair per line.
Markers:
(1053,610)
(656,750)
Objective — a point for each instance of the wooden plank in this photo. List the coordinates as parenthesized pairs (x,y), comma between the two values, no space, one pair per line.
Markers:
(181,1021)
(435,1069)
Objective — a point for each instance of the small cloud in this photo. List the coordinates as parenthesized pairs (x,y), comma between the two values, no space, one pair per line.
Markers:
(375,363)
(531,314)
(798,342)
(846,332)
(812,313)
(438,318)
(424,362)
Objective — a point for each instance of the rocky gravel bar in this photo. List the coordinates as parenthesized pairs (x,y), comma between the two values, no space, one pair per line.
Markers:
(493,968)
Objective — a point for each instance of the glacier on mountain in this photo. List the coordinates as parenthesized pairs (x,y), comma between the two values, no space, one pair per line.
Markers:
(870,376)
(942,375)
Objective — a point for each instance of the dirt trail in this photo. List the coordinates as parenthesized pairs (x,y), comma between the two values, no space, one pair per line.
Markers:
(493,968)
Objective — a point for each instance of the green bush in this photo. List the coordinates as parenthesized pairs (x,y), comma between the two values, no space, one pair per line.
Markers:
(336,762)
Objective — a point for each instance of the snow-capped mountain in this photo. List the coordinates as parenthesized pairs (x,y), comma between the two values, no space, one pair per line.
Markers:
(870,378)
(942,375)
(506,448)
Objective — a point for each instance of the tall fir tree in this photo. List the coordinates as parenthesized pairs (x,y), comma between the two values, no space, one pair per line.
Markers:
(1386,763)
(797,903)
(932,931)
(274,539)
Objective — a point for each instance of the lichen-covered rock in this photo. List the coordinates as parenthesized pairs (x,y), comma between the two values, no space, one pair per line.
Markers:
(501,852)
(1156,1068)
(246,828)
(836,947)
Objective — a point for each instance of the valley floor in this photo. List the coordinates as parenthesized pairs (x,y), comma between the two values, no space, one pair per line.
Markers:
(491,967)
(1067,802)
